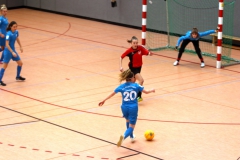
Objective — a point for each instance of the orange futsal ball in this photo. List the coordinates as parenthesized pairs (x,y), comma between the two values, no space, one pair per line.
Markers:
(149,135)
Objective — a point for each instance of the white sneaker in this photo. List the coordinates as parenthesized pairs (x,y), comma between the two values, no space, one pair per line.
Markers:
(175,63)
(202,65)
(133,139)
(119,143)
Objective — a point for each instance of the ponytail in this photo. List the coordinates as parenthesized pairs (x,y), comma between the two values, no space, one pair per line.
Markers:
(133,38)
(126,75)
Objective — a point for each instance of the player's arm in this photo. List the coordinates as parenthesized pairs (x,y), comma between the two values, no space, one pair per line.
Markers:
(121,58)
(19,43)
(9,48)
(208,32)
(120,64)
(148,91)
(109,96)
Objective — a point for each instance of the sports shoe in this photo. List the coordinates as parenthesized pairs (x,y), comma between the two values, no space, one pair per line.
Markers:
(2,84)
(139,99)
(175,63)
(119,143)
(202,65)
(20,78)
(133,139)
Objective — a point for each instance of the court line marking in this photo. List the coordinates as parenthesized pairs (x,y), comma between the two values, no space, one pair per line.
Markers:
(78,132)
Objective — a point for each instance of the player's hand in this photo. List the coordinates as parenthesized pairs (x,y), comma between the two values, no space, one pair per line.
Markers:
(176,48)
(21,49)
(153,90)
(101,103)
(121,69)
(150,53)
(217,29)
(14,54)
(2,35)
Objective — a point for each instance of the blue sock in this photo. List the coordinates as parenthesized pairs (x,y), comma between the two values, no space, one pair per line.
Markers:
(19,68)
(128,132)
(127,124)
(2,73)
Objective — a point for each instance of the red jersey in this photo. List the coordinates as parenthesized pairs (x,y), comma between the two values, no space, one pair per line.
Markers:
(135,55)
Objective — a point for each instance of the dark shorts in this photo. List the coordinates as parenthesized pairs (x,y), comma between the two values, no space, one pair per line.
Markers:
(135,70)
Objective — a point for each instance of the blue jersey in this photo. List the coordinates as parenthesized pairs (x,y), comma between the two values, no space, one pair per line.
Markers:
(3,25)
(188,36)
(129,91)
(11,37)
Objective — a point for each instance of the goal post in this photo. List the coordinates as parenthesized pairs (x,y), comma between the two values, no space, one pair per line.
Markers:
(167,20)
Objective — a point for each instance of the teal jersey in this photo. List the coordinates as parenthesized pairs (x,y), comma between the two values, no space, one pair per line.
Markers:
(129,91)
(3,24)
(11,37)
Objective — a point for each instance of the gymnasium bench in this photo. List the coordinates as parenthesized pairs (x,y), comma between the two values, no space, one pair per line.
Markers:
(214,40)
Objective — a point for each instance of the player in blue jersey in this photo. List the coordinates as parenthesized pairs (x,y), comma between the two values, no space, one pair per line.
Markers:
(129,91)
(3,27)
(10,52)
(192,36)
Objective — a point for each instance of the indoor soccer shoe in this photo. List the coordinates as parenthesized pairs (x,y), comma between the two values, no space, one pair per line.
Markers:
(119,143)
(2,84)
(139,99)
(175,63)
(202,65)
(133,139)
(20,78)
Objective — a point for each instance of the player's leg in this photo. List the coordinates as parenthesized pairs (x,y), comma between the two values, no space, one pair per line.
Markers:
(130,114)
(181,50)
(2,71)
(140,79)
(1,49)
(136,71)
(6,59)
(198,51)
(19,68)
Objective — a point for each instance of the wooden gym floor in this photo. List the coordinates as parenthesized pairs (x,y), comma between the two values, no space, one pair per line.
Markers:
(71,64)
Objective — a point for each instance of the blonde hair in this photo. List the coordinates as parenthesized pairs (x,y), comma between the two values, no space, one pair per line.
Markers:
(133,38)
(3,6)
(126,75)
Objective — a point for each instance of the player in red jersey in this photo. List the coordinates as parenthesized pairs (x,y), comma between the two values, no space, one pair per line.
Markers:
(135,53)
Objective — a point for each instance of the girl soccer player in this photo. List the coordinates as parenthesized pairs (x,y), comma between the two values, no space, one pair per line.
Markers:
(135,53)
(10,52)
(3,27)
(192,36)
(129,105)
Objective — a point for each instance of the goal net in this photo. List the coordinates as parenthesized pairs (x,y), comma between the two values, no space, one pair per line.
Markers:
(170,19)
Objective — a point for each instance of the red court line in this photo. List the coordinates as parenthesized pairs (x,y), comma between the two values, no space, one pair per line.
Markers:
(206,123)
(111,45)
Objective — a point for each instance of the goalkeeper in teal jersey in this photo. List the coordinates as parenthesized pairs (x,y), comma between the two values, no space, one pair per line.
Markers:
(129,107)
(192,36)
(10,52)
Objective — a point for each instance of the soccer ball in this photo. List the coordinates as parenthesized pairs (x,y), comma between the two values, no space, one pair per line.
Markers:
(149,135)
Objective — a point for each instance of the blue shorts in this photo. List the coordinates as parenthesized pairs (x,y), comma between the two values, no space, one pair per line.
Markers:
(2,41)
(130,113)
(7,56)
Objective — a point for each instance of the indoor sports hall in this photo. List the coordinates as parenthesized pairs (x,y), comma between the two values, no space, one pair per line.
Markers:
(71,52)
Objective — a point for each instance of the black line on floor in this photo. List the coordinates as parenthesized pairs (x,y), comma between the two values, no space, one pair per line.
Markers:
(78,132)
(128,156)
(17,123)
